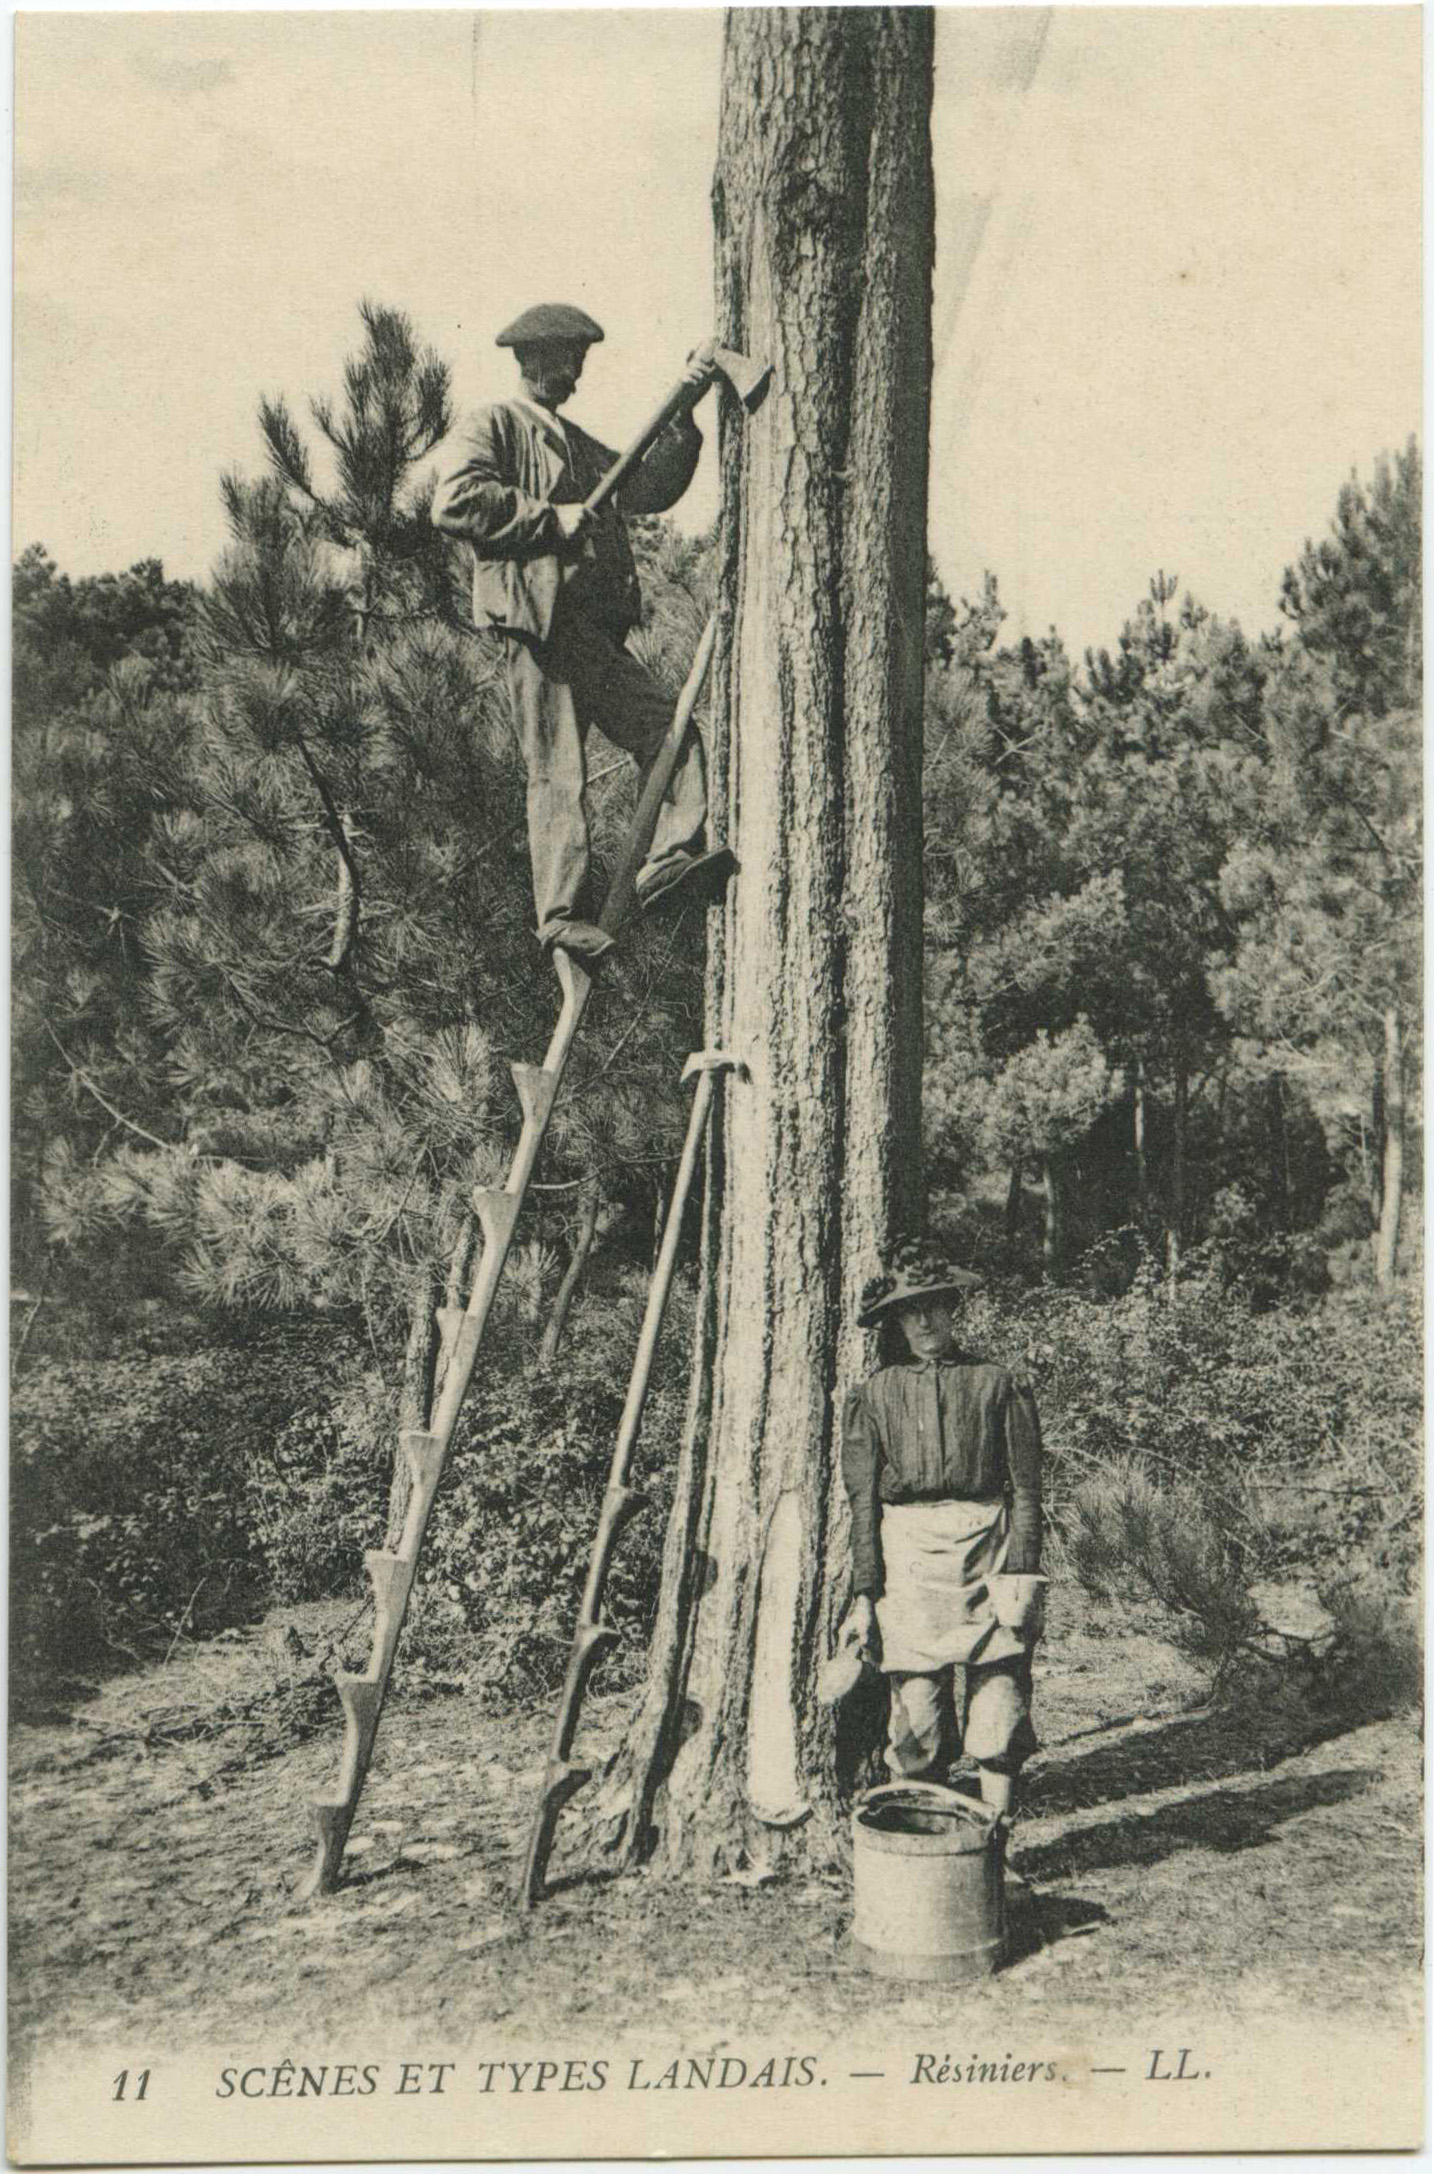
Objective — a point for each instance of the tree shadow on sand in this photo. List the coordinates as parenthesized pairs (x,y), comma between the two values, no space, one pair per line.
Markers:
(1224,1820)
(1246,1736)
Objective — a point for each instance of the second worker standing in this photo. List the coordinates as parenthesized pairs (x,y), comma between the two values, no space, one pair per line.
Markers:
(941,1455)
(559,584)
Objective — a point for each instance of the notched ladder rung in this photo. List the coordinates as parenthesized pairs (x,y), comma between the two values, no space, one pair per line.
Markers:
(360,1695)
(454,1325)
(623,1496)
(425,1455)
(595,1638)
(386,1573)
(497,1211)
(562,1779)
(536,1090)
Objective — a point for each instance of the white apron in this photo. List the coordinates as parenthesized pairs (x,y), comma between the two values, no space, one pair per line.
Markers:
(937,1608)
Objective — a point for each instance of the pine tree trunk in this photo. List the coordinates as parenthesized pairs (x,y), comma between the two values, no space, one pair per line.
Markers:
(1386,1251)
(420,1360)
(577,1262)
(823,210)
(1142,1162)
(1374,1166)
(1175,1231)
(1013,1201)
(1280,1148)
(1053,1242)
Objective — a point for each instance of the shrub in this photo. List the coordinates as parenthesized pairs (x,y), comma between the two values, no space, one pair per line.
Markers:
(1318,1404)
(508,1544)
(1131,1539)
(175,1492)
(1198,1442)
(130,1506)
(1377,1661)
(513,1527)
(317,1496)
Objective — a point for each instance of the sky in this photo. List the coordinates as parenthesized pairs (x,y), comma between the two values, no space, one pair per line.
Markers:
(1177,288)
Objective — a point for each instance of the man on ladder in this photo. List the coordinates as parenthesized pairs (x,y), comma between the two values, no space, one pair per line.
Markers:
(559,583)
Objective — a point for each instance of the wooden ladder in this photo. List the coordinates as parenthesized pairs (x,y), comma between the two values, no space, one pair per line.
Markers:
(392,1571)
(621,1501)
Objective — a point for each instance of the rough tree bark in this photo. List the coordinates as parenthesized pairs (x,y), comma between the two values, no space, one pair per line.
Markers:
(823,212)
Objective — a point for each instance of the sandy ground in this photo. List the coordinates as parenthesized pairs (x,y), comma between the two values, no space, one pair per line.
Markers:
(1271,1857)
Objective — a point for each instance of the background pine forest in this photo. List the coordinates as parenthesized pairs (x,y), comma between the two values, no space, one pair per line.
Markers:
(273,955)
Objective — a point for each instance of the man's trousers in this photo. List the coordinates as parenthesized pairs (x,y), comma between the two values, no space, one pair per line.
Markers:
(581,676)
(922,1733)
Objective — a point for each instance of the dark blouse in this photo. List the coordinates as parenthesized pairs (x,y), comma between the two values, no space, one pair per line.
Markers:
(941,1430)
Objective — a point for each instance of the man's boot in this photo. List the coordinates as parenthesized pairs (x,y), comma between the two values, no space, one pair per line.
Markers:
(694,876)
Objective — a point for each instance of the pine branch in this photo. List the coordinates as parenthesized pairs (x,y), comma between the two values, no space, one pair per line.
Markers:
(234,493)
(435,413)
(108,1107)
(640,1010)
(325,1042)
(350,889)
(321,408)
(286,448)
(33,1316)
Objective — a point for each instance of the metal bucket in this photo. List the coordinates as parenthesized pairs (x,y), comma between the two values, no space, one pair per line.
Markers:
(927,1881)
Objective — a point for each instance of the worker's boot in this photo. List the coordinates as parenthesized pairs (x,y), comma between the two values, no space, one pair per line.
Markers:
(690,877)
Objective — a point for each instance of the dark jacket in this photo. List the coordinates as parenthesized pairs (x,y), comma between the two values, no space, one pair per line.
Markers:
(519,463)
(941,1430)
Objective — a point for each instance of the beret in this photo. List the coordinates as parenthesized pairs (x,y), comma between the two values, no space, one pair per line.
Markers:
(550,321)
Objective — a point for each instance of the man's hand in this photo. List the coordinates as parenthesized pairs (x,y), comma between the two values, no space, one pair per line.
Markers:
(699,365)
(859,1627)
(573,521)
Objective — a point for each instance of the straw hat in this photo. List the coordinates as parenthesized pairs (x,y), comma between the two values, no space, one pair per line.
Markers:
(915,1272)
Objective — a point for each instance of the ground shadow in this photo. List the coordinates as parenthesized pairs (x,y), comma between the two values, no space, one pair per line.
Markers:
(1035,1921)
(1224,1820)
(577,1880)
(1204,1746)
(355,1878)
